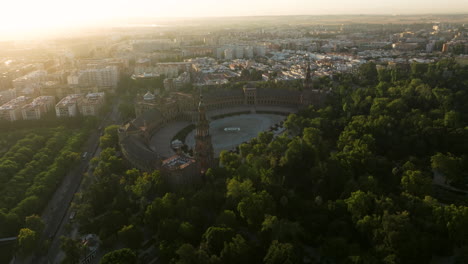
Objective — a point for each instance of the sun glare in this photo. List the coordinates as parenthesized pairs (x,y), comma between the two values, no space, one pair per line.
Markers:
(29,16)
(26,16)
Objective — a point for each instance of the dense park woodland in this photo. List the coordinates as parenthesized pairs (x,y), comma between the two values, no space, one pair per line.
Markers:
(379,175)
(34,158)
(350,183)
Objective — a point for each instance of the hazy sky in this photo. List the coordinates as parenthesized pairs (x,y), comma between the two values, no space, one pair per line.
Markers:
(20,15)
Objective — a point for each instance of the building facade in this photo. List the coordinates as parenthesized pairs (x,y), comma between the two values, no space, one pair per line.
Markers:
(38,107)
(68,106)
(91,104)
(168,69)
(106,77)
(11,111)
(31,80)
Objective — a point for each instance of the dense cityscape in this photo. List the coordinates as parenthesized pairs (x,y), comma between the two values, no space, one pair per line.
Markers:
(293,139)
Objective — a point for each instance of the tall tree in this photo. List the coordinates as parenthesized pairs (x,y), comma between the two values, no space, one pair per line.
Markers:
(27,241)
(120,256)
(73,250)
(280,253)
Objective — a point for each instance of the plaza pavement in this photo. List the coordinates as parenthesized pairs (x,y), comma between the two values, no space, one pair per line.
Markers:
(250,125)
(161,141)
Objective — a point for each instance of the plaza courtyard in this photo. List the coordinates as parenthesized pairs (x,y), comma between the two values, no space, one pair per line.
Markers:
(240,128)
(249,125)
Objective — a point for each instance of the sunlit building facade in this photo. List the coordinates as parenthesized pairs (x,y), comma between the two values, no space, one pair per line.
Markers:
(91,104)
(68,106)
(38,107)
(11,110)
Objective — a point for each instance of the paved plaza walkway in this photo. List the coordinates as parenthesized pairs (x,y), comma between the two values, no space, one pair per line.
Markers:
(250,125)
(161,140)
(259,108)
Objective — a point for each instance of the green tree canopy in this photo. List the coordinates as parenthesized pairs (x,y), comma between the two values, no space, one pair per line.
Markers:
(120,256)
(215,237)
(27,241)
(280,253)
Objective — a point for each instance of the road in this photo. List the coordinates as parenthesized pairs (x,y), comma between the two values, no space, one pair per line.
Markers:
(440,180)
(57,213)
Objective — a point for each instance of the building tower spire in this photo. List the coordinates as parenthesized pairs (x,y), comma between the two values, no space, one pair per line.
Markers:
(203,147)
(308,79)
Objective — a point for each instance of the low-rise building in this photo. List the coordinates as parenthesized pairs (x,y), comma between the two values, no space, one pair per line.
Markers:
(179,170)
(405,46)
(181,81)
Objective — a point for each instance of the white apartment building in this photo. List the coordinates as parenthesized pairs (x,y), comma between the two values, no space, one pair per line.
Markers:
(169,69)
(38,107)
(91,104)
(228,54)
(239,52)
(219,53)
(68,106)
(248,52)
(11,111)
(30,80)
(106,77)
(7,95)
(196,51)
(260,51)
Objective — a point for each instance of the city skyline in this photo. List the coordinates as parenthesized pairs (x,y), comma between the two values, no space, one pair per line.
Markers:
(29,16)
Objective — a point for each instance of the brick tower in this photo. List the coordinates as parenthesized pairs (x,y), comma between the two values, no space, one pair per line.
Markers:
(308,79)
(203,147)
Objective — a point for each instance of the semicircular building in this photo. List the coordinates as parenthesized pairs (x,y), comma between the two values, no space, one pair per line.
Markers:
(154,112)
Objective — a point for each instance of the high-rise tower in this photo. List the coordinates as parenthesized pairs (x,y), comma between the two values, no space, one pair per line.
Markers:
(203,147)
